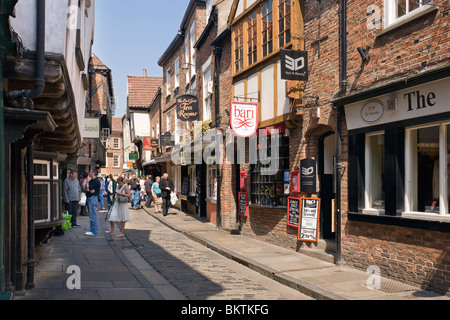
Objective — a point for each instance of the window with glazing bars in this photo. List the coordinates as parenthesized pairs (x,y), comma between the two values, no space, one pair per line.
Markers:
(252,38)
(284,22)
(267,28)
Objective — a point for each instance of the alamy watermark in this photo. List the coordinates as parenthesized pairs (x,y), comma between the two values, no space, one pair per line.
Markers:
(74,280)
(374,280)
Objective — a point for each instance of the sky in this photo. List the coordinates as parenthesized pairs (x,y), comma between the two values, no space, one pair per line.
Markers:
(131,36)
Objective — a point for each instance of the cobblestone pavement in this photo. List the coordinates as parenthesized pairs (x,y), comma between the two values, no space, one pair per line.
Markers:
(196,271)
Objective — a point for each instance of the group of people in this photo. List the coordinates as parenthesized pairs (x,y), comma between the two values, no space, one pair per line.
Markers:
(91,189)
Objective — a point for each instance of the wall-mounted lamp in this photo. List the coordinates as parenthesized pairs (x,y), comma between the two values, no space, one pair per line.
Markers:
(364,53)
(185,67)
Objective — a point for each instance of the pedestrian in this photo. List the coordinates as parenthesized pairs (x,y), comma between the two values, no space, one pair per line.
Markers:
(72,195)
(101,194)
(93,190)
(142,193)
(148,190)
(83,185)
(135,187)
(156,193)
(167,187)
(119,212)
(107,182)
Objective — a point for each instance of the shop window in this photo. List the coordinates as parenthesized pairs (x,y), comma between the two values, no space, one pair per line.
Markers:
(267,28)
(375,171)
(284,22)
(427,169)
(269,190)
(46,191)
(211,192)
(192,172)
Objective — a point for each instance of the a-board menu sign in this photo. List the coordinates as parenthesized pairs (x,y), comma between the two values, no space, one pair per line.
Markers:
(243,204)
(293,215)
(309,220)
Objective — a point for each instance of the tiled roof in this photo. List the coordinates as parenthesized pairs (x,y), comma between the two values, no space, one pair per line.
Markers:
(117,125)
(142,90)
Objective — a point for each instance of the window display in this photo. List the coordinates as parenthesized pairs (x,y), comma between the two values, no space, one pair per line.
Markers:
(375,164)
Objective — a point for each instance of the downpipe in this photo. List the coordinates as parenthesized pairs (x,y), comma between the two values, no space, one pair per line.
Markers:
(343,84)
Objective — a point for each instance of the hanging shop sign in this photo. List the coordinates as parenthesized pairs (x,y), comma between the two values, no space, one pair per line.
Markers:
(187,108)
(91,128)
(133,156)
(308,176)
(154,143)
(293,214)
(244,118)
(147,144)
(294,65)
(166,140)
(243,204)
(309,220)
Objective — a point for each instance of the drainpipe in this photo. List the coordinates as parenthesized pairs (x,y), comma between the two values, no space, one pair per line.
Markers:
(342,90)
(217,55)
(31,232)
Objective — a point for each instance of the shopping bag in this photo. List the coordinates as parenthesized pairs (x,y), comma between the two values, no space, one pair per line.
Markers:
(173,199)
(82,200)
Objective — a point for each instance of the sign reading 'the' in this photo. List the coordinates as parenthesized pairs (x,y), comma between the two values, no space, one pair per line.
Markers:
(244,118)
(294,65)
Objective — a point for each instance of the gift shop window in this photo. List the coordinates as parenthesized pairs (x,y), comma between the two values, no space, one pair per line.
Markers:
(271,190)
(427,169)
(375,171)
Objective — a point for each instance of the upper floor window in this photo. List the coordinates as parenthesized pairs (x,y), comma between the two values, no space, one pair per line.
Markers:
(177,73)
(239,49)
(116,143)
(267,28)
(284,22)
(399,10)
(252,38)
(168,82)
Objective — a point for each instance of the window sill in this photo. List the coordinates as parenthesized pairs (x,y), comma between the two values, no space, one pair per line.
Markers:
(408,18)
(413,220)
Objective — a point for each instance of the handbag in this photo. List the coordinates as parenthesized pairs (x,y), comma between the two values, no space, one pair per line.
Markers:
(122,199)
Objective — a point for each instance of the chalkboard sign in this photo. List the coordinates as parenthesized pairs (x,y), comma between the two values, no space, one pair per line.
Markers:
(309,220)
(243,204)
(185,186)
(293,214)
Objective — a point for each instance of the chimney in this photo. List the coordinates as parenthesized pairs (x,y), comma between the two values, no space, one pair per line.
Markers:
(144,73)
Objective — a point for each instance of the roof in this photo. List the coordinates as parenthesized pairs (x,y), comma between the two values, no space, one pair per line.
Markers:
(142,90)
(117,125)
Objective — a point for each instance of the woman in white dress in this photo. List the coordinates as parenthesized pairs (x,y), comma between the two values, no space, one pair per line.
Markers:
(119,211)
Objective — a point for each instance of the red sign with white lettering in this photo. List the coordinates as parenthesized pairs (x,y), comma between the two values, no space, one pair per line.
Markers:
(244,118)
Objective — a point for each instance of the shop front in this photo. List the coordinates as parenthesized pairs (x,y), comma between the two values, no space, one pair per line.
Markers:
(398,180)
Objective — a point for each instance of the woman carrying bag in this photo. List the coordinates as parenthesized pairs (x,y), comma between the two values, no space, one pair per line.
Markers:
(120,212)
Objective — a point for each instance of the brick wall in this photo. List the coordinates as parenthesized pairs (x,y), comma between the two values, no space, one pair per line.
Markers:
(411,255)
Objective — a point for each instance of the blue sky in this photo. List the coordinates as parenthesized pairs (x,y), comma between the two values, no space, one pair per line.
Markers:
(132,35)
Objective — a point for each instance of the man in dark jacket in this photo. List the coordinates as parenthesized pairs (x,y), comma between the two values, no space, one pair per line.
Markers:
(148,190)
(167,187)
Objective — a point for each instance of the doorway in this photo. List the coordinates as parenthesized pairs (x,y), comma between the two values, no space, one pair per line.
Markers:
(327,157)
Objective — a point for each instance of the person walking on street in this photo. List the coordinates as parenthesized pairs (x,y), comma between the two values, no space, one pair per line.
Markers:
(135,187)
(93,190)
(148,190)
(156,193)
(120,212)
(167,187)
(72,195)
